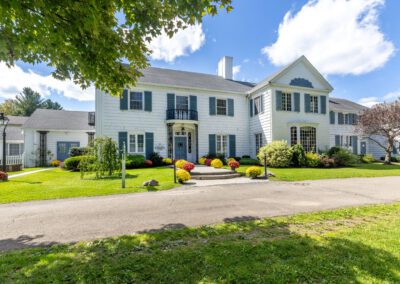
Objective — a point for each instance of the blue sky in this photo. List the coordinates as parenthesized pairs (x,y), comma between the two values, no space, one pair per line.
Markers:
(353,43)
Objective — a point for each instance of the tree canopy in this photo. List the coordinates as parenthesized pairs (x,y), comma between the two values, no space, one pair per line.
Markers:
(83,40)
(26,103)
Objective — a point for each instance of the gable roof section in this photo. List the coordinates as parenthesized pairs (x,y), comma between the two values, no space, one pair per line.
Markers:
(272,78)
(175,78)
(338,105)
(17,120)
(47,119)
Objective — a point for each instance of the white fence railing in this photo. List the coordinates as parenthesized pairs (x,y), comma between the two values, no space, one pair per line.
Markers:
(12,160)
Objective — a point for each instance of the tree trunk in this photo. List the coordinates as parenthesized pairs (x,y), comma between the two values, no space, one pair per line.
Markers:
(388,157)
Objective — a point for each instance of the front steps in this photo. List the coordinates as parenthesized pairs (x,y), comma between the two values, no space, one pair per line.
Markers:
(214,175)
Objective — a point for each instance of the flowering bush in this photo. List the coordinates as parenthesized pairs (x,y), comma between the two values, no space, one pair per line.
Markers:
(179,164)
(167,161)
(279,154)
(327,162)
(313,160)
(216,163)
(233,164)
(202,160)
(182,176)
(368,158)
(3,176)
(208,162)
(188,166)
(230,159)
(148,163)
(55,163)
(253,172)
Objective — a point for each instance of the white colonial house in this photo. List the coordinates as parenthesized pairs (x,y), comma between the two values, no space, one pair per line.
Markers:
(49,134)
(14,140)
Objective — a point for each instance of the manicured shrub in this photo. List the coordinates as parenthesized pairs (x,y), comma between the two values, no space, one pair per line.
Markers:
(217,163)
(148,163)
(72,163)
(188,166)
(233,164)
(344,157)
(279,154)
(398,159)
(333,151)
(55,163)
(202,160)
(156,159)
(208,162)
(246,157)
(368,158)
(327,162)
(253,172)
(179,164)
(3,176)
(182,176)
(167,161)
(135,161)
(87,164)
(79,151)
(298,156)
(249,162)
(313,160)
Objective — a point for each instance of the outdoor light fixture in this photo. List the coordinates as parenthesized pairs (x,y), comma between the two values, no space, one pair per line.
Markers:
(4,122)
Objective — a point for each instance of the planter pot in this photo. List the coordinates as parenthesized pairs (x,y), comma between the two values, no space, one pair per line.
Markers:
(233,169)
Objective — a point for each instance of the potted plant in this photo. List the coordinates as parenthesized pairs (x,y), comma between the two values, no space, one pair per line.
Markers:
(233,165)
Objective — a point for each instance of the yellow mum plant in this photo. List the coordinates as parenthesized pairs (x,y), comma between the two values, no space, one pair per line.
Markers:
(182,176)
(216,163)
(179,164)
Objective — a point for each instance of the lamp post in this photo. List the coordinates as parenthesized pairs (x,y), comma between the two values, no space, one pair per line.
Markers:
(4,122)
(265,166)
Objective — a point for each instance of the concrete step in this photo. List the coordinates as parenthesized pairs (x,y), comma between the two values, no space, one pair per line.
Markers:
(211,173)
(215,176)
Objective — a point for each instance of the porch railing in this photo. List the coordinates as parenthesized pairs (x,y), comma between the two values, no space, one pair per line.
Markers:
(12,160)
(182,114)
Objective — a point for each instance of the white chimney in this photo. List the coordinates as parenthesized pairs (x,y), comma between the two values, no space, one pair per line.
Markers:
(225,67)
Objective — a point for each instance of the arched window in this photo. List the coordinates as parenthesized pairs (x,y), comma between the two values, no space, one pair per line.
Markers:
(293,135)
(308,138)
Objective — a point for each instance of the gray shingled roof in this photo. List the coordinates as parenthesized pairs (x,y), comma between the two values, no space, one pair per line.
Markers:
(14,133)
(17,120)
(46,119)
(336,104)
(160,76)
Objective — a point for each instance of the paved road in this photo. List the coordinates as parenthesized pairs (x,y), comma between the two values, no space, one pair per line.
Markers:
(69,220)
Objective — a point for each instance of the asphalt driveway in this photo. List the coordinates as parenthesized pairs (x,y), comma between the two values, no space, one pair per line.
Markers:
(40,223)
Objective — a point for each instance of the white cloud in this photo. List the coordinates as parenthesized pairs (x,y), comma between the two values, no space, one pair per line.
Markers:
(182,43)
(338,36)
(246,60)
(236,70)
(14,79)
(370,101)
(392,96)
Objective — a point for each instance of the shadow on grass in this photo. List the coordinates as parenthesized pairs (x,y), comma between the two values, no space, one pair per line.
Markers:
(243,252)
(25,181)
(113,177)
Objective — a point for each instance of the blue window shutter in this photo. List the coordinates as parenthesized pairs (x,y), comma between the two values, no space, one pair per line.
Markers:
(149,136)
(323,104)
(251,107)
(278,100)
(231,107)
(123,100)
(193,103)
(232,145)
(307,102)
(148,101)
(170,101)
(337,140)
(296,102)
(212,106)
(340,118)
(262,103)
(332,117)
(355,145)
(122,137)
(211,144)
(355,119)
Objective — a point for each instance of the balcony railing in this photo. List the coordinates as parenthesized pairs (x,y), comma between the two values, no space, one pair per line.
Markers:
(182,114)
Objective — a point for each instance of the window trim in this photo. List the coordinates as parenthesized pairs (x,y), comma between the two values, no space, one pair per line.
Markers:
(291,135)
(130,101)
(136,134)
(314,104)
(227,144)
(176,102)
(255,110)
(8,146)
(316,140)
(216,106)
(285,106)
(259,141)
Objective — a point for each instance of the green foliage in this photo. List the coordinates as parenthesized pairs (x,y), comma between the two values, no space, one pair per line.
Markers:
(333,151)
(253,172)
(87,164)
(368,158)
(298,156)
(72,163)
(85,42)
(156,159)
(327,162)
(135,161)
(106,152)
(27,102)
(55,163)
(312,159)
(80,151)
(167,161)
(344,157)
(279,154)
(249,161)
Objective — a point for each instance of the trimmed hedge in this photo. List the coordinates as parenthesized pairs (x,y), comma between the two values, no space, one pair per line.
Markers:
(135,161)
(249,162)
(72,163)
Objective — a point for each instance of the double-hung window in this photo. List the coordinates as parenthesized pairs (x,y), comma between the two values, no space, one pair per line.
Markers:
(222,144)
(314,104)
(287,101)
(257,105)
(136,100)
(293,135)
(221,107)
(136,143)
(182,102)
(14,149)
(259,142)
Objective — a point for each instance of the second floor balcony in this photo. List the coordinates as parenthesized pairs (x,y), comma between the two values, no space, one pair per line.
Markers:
(181,114)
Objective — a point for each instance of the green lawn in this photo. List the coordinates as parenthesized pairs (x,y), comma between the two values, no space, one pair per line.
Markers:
(356,245)
(57,183)
(361,170)
(25,170)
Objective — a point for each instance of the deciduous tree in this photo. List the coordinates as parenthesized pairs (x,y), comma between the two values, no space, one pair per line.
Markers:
(381,120)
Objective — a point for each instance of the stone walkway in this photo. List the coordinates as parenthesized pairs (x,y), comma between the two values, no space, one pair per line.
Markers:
(200,169)
(28,173)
